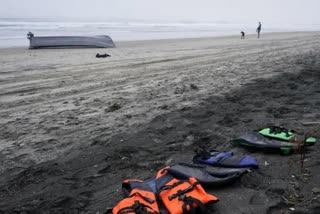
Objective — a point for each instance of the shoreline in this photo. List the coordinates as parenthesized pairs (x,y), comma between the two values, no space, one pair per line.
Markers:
(123,42)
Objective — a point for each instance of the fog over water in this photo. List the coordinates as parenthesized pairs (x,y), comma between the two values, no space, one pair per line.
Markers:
(302,11)
(152,19)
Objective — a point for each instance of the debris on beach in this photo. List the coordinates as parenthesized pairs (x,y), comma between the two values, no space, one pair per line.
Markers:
(102,55)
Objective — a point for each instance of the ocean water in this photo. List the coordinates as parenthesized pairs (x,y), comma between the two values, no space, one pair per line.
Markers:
(13,32)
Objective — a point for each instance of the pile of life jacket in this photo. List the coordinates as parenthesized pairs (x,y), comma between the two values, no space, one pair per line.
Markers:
(164,191)
(178,189)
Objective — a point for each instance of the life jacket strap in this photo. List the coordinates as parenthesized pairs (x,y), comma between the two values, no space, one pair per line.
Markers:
(277,130)
(142,196)
(137,208)
(167,187)
(181,193)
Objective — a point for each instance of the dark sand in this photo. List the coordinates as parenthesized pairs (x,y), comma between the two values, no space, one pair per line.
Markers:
(67,159)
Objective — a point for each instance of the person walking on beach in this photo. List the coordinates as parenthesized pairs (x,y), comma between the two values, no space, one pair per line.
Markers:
(259,30)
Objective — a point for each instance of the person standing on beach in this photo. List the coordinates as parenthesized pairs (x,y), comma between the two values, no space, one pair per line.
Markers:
(242,35)
(259,30)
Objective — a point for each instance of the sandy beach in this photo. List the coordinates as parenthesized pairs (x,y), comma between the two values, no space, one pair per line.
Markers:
(73,126)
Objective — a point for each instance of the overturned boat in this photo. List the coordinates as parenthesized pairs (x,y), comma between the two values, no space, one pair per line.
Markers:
(69,41)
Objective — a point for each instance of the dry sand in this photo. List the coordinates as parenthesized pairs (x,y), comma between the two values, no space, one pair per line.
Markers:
(73,126)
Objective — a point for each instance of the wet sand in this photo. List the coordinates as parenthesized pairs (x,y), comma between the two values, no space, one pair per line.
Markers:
(73,126)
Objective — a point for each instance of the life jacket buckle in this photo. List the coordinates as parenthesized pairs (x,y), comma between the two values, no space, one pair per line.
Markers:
(182,197)
(179,194)
(136,205)
(139,208)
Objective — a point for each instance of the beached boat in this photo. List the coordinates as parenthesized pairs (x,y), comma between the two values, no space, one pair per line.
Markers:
(69,41)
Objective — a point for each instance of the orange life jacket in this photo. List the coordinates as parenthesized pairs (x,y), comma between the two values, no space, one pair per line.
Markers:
(140,199)
(182,196)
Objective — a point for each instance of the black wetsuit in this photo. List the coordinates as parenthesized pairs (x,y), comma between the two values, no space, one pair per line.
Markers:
(242,35)
(258,30)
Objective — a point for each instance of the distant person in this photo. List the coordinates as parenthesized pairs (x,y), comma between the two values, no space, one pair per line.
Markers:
(259,30)
(243,35)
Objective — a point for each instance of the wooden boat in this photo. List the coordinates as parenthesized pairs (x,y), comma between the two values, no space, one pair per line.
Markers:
(70,41)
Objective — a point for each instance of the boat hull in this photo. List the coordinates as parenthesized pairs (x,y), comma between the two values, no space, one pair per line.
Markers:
(71,41)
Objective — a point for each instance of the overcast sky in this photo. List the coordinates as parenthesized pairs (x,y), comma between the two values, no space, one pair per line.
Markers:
(290,11)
